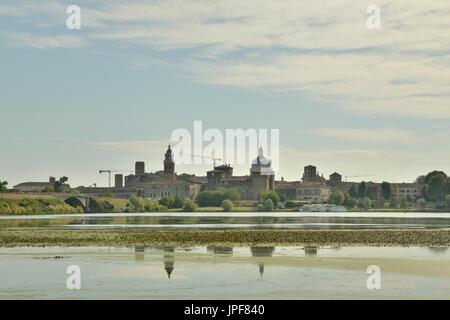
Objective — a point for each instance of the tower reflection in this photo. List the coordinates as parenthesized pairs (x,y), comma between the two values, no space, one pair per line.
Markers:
(169,261)
(262,252)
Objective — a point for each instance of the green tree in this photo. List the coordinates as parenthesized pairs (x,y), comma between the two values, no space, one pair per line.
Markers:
(437,187)
(362,189)
(272,195)
(393,203)
(386,190)
(3,186)
(177,202)
(282,197)
(165,201)
(350,203)
(447,201)
(227,205)
(337,197)
(268,205)
(367,203)
(189,206)
(232,194)
(352,191)
(421,203)
(403,203)
(60,184)
(136,204)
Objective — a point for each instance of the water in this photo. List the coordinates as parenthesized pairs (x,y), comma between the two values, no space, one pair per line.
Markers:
(234,220)
(225,272)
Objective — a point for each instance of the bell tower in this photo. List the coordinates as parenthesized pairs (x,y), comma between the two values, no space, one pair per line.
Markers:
(169,164)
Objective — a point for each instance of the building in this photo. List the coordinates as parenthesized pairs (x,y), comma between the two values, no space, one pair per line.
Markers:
(36,186)
(261,178)
(335,179)
(411,191)
(312,188)
(165,183)
(310,174)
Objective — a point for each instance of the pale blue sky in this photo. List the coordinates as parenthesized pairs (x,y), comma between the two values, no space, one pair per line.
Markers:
(345,98)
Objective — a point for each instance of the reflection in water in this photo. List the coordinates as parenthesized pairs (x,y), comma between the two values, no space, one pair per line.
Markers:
(169,261)
(139,253)
(438,250)
(262,252)
(311,250)
(220,249)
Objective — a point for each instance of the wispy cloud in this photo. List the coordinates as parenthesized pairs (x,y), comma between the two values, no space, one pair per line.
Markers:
(370,135)
(322,51)
(45,42)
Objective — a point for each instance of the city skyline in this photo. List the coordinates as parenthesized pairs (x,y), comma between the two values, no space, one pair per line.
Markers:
(345,98)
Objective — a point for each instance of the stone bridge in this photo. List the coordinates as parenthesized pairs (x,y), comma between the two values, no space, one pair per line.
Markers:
(75,200)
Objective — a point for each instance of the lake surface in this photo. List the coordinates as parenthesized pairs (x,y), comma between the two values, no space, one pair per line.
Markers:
(220,272)
(233,220)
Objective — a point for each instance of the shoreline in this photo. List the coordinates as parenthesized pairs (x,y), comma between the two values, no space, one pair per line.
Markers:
(118,237)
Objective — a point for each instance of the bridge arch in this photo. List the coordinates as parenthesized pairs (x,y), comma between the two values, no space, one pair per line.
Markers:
(76,202)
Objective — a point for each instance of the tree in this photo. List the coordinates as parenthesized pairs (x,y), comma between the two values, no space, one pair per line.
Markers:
(177,202)
(437,187)
(227,205)
(350,203)
(272,195)
(189,206)
(362,189)
(447,201)
(268,205)
(421,203)
(60,184)
(3,186)
(232,194)
(337,197)
(403,203)
(386,190)
(352,191)
(393,203)
(367,203)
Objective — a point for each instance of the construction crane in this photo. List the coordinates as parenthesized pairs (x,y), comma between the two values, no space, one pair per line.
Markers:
(358,176)
(205,157)
(109,171)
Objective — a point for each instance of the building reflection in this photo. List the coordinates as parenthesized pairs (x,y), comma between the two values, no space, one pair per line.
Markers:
(262,252)
(438,250)
(139,253)
(220,250)
(311,250)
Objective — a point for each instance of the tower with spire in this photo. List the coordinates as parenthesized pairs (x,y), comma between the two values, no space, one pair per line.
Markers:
(169,164)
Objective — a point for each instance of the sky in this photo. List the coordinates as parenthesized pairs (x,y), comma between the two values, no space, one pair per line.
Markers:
(372,103)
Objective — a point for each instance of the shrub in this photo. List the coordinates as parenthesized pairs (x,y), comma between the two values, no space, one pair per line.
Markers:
(291,204)
(421,203)
(268,205)
(227,205)
(272,195)
(337,197)
(260,207)
(403,203)
(177,203)
(189,206)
